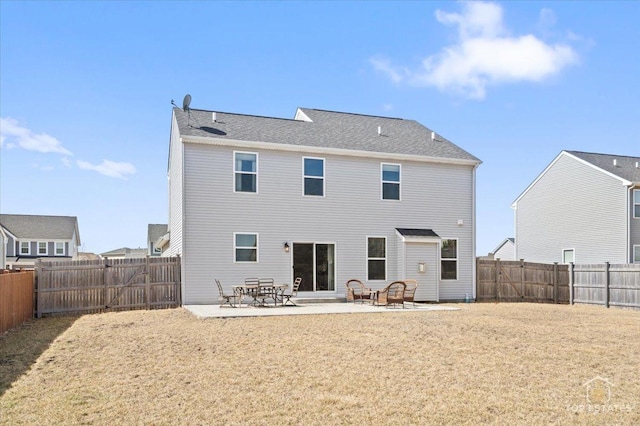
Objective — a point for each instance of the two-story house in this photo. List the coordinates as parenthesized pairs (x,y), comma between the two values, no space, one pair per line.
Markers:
(326,196)
(583,208)
(29,237)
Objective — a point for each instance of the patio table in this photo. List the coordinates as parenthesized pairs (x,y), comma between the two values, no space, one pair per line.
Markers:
(261,291)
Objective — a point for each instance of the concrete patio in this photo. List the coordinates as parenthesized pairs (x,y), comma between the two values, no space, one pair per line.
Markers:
(302,308)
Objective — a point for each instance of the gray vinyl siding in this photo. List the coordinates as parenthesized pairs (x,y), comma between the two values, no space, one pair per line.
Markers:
(573,206)
(434,196)
(634,226)
(11,247)
(175,193)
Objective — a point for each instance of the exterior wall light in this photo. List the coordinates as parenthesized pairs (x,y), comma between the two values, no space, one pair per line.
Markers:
(421,267)
(286,247)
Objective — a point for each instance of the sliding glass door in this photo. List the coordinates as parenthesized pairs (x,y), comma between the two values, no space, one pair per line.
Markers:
(316,264)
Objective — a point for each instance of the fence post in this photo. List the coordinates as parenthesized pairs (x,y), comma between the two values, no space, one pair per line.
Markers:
(147,285)
(104,282)
(607,283)
(571,279)
(178,280)
(498,273)
(522,279)
(38,272)
(555,282)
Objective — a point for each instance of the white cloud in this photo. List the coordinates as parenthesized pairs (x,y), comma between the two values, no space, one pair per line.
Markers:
(485,54)
(18,136)
(66,162)
(109,168)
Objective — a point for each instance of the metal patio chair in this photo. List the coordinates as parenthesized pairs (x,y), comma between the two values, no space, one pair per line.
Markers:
(231,299)
(286,297)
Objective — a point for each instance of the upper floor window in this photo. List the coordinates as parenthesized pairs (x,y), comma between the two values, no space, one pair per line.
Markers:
(42,248)
(449,260)
(245,171)
(59,249)
(636,203)
(25,247)
(313,176)
(390,181)
(246,247)
(376,258)
(636,254)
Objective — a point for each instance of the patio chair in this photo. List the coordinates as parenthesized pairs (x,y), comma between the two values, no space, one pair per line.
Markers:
(266,290)
(357,291)
(286,297)
(227,298)
(410,291)
(393,294)
(254,291)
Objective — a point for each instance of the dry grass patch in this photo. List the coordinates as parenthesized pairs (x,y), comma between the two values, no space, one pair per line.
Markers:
(501,364)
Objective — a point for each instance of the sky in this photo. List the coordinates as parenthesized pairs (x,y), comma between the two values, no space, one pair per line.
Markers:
(86,90)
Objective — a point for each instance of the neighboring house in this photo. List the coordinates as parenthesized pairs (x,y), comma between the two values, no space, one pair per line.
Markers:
(583,208)
(506,250)
(29,237)
(326,196)
(125,253)
(4,240)
(156,238)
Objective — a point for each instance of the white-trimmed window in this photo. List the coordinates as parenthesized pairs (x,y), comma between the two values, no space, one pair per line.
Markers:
(245,171)
(376,258)
(449,259)
(25,247)
(636,254)
(42,248)
(313,176)
(59,249)
(245,247)
(636,203)
(568,255)
(390,175)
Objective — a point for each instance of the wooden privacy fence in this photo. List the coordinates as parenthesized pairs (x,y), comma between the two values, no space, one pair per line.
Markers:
(606,284)
(520,281)
(16,299)
(89,286)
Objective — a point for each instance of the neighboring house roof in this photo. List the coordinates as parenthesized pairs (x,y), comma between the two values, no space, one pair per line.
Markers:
(155,231)
(35,227)
(625,168)
(83,255)
(507,240)
(125,252)
(321,129)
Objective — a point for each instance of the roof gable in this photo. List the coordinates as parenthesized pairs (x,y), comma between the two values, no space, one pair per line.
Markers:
(35,227)
(155,231)
(315,128)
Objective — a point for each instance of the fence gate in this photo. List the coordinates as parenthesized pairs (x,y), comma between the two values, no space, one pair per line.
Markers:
(89,286)
(519,281)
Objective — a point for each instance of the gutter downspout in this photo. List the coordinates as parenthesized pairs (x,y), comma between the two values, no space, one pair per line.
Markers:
(473,232)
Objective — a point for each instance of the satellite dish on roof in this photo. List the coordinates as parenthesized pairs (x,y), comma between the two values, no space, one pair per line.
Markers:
(186,102)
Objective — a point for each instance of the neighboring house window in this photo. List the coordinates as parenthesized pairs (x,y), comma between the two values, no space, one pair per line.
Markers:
(42,248)
(376,258)
(390,181)
(568,256)
(636,203)
(245,171)
(25,247)
(246,247)
(59,249)
(156,250)
(636,254)
(449,260)
(313,176)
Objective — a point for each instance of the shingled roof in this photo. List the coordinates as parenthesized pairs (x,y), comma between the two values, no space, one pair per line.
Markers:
(32,227)
(316,128)
(155,231)
(625,167)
